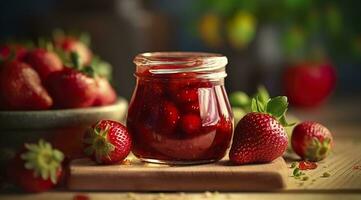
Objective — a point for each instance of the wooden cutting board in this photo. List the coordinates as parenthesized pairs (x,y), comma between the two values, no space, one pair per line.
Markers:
(138,176)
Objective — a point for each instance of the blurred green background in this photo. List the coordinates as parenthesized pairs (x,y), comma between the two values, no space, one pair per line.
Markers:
(260,37)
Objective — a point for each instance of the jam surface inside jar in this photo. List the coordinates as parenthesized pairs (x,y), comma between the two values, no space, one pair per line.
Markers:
(179,112)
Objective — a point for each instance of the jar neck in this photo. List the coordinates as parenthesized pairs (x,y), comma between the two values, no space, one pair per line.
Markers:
(180,64)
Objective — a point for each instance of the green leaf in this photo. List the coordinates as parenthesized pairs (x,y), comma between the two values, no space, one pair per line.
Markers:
(262,94)
(284,122)
(75,60)
(254,107)
(239,99)
(88,70)
(101,68)
(277,106)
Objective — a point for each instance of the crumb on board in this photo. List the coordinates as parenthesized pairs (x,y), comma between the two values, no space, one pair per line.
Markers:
(132,196)
(326,174)
(356,167)
(126,162)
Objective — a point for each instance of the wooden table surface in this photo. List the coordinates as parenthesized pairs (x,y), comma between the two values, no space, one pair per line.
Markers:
(342,117)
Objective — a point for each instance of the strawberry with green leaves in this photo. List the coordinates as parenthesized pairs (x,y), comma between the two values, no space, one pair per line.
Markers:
(38,168)
(78,44)
(107,142)
(311,141)
(260,136)
(72,87)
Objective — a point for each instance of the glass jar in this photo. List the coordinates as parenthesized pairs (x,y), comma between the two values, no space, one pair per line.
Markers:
(179,112)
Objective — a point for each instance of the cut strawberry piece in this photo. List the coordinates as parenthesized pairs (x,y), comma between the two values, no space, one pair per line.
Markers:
(307,165)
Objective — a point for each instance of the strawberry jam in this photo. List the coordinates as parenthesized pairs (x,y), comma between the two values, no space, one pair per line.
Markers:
(179,112)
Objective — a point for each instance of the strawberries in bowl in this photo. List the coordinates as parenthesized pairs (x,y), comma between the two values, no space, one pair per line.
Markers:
(54,92)
(53,75)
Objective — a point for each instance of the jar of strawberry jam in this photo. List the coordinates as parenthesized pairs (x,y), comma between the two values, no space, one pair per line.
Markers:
(179,112)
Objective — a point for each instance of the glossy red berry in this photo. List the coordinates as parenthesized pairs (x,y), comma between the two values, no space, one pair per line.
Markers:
(190,124)
(107,142)
(311,141)
(258,138)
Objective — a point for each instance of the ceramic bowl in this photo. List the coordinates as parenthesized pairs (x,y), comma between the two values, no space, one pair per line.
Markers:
(64,128)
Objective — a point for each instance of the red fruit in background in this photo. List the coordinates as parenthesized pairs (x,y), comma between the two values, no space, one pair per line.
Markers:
(190,123)
(21,89)
(311,141)
(105,93)
(71,44)
(18,50)
(258,138)
(309,84)
(43,61)
(71,88)
(37,169)
(107,142)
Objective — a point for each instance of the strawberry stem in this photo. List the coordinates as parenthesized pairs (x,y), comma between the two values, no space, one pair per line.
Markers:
(99,144)
(276,106)
(318,150)
(44,160)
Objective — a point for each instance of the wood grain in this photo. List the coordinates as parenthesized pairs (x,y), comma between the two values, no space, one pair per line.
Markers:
(85,175)
(344,165)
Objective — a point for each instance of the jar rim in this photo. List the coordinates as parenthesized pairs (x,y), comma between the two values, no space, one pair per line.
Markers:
(191,61)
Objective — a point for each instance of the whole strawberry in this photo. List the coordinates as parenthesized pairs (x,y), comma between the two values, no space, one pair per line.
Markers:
(21,88)
(107,142)
(43,61)
(105,93)
(311,141)
(71,44)
(260,137)
(71,88)
(38,168)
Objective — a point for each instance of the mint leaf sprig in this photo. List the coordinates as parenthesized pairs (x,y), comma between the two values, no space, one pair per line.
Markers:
(276,106)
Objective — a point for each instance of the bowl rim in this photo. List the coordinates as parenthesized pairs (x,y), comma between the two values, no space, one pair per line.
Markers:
(61,118)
